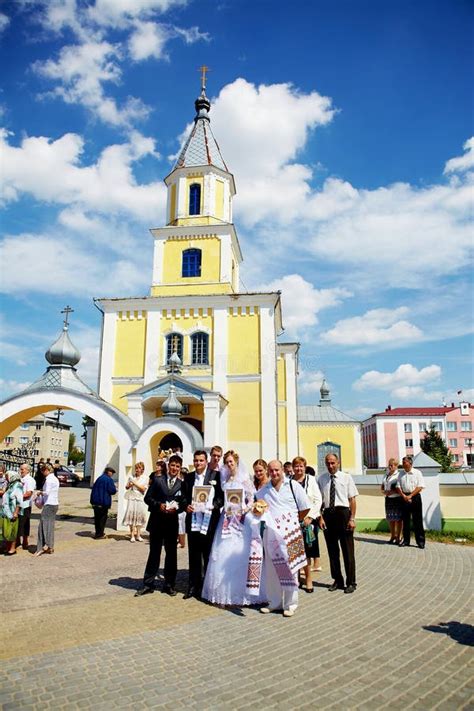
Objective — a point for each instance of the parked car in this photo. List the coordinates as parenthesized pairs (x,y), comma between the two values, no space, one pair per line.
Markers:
(67,477)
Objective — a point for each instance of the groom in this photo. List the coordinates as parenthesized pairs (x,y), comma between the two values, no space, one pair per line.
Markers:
(199,543)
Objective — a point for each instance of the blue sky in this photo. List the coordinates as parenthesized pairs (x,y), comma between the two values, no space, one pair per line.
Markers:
(348,127)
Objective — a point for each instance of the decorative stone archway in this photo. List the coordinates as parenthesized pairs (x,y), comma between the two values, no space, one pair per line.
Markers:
(145,445)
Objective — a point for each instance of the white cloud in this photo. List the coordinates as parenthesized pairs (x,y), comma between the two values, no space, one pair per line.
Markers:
(405,383)
(50,171)
(59,257)
(375,327)
(81,71)
(148,39)
(464,162)
(310,381)
(118,13)
(301,302)
(4,21)
(11,387)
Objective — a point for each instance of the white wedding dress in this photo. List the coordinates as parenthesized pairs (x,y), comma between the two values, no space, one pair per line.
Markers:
(226,577)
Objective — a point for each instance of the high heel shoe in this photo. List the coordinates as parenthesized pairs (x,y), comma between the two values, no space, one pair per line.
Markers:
(132,539)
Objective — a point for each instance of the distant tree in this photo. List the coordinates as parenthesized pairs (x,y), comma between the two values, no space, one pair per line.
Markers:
(75,454)
(433,445)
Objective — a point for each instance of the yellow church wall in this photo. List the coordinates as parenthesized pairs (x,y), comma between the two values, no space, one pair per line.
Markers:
(310,436)
(118,391)
(243,344)
(130,347)
(243,424)
(173,258)
(219,208)
(190,289)
(281,378)
(173,202)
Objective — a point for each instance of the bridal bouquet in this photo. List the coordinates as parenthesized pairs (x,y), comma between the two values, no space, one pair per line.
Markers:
(259,507)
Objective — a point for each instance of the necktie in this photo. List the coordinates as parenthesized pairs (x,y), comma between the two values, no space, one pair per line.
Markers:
(332,492)
(170,483)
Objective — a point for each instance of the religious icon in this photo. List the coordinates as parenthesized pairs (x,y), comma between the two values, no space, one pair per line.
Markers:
(234,500)
(201,496)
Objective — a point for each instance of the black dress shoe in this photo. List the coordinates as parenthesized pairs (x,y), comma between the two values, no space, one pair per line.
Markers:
(169,590)
(402,544)
(421,545)
(189,593)
(335,586)
(350,589)
(144,591)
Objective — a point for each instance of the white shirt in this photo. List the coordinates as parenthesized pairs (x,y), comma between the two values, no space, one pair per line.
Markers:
(199,478)
(345,488)
(409,481)
(29,484)
(388,482)
(282,501)
(51,490)
(314,495)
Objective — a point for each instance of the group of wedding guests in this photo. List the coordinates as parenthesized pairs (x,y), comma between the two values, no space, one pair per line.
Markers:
(403,504)
(252,537)
(19,492)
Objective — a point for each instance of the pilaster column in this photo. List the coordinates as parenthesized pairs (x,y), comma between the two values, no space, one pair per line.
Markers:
(291,406)
(211,419)
(107,354)
(219,364)
(152,346)
(181,197)
(158,251)
(268,389)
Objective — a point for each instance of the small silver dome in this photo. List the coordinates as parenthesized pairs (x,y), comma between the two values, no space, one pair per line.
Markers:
(63,351)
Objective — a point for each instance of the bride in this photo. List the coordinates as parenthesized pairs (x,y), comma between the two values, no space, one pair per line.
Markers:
(226,576)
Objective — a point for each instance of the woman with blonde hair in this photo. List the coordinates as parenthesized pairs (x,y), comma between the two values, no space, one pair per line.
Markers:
(136,512)
(226,576)
(393,500)
(309,523)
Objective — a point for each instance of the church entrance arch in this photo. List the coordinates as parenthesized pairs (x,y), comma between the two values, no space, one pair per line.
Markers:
(171,441)
(26,405)
(167,429)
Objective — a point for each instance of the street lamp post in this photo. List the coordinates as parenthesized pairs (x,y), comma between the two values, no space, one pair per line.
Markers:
(469,444)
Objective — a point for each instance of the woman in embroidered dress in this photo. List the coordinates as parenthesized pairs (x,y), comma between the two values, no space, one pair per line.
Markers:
(226,577)
(136,512)
(11,511)
(309,523)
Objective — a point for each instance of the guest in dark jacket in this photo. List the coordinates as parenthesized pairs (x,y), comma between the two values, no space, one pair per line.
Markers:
(165,501)
(101,500)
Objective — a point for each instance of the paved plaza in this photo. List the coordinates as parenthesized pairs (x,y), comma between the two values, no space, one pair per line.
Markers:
(74,637)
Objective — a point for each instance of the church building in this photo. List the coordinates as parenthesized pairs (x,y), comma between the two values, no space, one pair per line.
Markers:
(196,333)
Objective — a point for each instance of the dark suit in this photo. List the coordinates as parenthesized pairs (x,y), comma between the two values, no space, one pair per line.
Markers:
(199,545)
(163,528)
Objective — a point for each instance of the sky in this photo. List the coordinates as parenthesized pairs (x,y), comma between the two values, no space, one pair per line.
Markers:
(348,127)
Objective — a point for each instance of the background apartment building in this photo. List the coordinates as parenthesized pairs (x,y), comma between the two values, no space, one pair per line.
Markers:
(399,431)
(43,436)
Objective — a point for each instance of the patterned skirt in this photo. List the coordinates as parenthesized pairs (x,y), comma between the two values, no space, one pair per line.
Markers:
(136,513)
(393,508)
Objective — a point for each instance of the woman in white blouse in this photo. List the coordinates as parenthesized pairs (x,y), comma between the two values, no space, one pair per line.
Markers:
(308,524)
(136,513)
(393,501)
(50,496)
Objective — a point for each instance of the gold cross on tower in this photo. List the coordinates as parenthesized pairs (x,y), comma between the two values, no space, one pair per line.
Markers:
(67,311)
(203,71)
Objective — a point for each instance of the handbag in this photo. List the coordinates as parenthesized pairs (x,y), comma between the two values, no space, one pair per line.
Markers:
(39,501)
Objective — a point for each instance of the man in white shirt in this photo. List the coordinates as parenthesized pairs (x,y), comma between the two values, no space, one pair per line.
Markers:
(338,522)
(288,505)
(29,486)
(411,485)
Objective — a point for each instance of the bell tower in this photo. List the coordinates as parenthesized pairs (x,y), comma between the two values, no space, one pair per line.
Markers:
(198,250)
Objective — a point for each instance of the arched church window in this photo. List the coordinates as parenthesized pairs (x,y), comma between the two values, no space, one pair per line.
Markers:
(200,349)
(174,344)
(195,199)
(191,263)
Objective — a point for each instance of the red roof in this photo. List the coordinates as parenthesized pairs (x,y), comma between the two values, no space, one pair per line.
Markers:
(414,411)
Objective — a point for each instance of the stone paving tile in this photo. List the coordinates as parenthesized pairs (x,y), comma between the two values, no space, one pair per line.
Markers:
(75,638)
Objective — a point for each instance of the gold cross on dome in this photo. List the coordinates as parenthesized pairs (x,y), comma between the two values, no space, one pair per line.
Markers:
(67,311)
(203,71)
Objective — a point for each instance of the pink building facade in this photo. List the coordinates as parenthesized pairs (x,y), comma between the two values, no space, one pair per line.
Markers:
(399,431)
